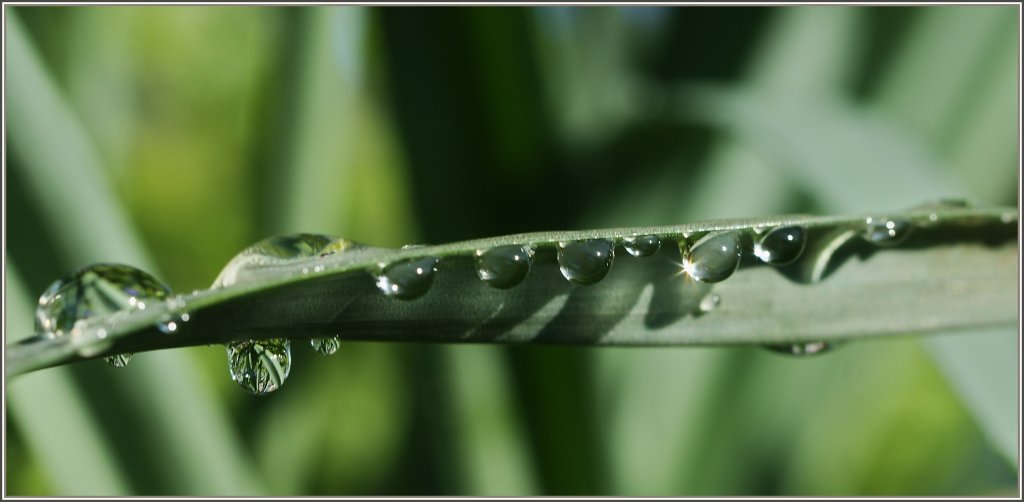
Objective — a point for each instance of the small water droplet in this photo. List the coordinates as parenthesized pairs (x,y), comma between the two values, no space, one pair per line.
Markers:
(781,246)
(1008,217)
(802,349)
(886,232)
(709,303)
(714,257)
(504,266)
(642,245)
(167,326)
(585,262)
(95,291)
(119,360)
(408,279)
(326,345)
(260,366)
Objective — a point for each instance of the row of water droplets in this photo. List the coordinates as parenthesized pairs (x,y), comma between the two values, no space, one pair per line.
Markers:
(262,366)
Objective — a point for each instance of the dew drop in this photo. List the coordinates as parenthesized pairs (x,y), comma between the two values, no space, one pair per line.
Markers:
(260,366)
(585,262)
(709,303)
(642,245)
(802,349)
(504,266)
(714,257)
(326,345)
(781,246)
(95,291)
(275,250)
(119,360)
(886,232)
(408,279)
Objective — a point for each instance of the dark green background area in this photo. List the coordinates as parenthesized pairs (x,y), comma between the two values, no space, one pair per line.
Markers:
(219,126)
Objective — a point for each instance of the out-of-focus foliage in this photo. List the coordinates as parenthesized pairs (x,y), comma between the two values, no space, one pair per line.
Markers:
(214,127)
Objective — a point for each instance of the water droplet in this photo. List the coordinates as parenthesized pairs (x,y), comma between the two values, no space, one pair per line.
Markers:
(504,266)
(275,250)
(886,232)
(709,303)
(94,291)
(587,261)
(260,366)
(119,360)
(802,349)
(326,345)
(781,246)
(408,279)
(713,257)
(642,245)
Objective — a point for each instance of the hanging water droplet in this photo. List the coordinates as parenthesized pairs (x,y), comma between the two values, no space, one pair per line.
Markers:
(260,366)
(642,245)
(886,232)
(94,291)
(587,261)
(709,303)
(408,279)
(713,257)
(802,349)
(119,360)
(504,266)
(781,246)
(326,345)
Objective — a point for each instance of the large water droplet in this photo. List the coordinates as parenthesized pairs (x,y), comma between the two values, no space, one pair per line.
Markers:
(275,250)
(260,366)
(504,266)
(326,345)
(587,261)
(886,232)
(642,245)
(781,246)
(714,257)
(94,291)
(408,279)
(802,349)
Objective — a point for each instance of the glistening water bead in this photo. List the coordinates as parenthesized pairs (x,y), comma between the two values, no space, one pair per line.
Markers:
(94,291)
(802,349)
(326,345)
(275,249)
(585,262)
(504,266)
(781,246)
(886,232)
(714,257)
(408,279)
(260,366)
(642,245)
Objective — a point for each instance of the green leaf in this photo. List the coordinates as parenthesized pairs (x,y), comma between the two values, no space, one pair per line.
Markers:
(891,290)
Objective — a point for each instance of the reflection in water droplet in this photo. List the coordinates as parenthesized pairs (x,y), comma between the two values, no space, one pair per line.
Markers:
(714,257)
(802,349)
(408,279)
(504,266)
(585,262)
(260,366)
(642,245)
(781,246)
(94,291)
(326,345)
(886,232)
(709,303)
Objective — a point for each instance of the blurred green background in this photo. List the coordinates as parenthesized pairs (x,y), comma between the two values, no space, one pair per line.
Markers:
(172,137)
